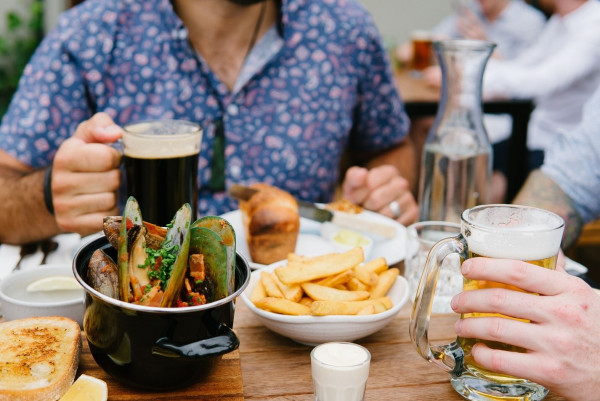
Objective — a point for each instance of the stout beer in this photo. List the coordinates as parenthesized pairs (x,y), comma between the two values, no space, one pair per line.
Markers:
(161,166)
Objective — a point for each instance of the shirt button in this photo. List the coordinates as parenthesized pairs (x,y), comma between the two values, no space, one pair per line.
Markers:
(235,171)
(233,109)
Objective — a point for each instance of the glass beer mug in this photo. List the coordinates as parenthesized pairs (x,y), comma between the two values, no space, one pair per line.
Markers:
(494,231)
(161,166)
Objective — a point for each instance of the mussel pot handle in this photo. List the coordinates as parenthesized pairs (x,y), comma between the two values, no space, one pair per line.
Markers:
(225,341)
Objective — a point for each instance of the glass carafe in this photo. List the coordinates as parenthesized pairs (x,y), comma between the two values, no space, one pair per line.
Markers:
(457,156)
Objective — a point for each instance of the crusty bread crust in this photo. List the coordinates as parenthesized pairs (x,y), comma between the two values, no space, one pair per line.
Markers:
(39,357)
(271,223)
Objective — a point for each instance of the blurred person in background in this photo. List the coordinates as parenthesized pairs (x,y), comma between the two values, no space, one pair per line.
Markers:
(513,26)
(280,89)
(559,72)
(564,333)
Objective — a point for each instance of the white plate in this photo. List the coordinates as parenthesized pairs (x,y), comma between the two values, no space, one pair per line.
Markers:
(310,242)
(313,330)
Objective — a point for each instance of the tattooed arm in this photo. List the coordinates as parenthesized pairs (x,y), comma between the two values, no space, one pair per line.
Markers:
(541,191)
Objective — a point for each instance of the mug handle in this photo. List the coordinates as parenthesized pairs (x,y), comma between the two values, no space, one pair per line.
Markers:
(448,357)
(225,341)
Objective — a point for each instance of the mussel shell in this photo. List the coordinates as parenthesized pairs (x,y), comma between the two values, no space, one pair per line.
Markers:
(208,243)
(111,227)
(133,215)
(225,231)
(178,234)
(102,274)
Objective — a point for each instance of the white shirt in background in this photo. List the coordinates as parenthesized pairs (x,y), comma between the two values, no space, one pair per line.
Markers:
(515,29)
(560,71)
(573,162)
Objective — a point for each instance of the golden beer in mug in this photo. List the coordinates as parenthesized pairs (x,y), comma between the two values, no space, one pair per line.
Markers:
(422,50)
(492,231)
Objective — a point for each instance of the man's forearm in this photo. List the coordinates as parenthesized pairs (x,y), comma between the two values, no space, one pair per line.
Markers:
(23,214)
(541,191)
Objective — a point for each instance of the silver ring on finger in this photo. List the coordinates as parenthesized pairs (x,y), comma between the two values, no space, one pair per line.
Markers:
(395,208)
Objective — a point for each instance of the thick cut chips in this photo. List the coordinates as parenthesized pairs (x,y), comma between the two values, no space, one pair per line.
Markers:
(332,284)
(299,272)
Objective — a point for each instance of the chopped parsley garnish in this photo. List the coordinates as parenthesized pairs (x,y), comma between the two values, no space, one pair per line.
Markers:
(167,256)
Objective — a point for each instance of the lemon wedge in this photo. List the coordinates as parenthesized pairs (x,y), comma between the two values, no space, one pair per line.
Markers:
(87,388)
(54,283)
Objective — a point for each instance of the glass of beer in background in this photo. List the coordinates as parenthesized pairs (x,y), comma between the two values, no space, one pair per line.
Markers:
(493,231)
(161,167)
(422,51)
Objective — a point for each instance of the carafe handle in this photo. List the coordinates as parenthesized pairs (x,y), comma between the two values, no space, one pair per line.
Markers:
(448,357)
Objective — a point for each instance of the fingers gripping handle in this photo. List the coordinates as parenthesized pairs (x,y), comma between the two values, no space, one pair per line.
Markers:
(447,357)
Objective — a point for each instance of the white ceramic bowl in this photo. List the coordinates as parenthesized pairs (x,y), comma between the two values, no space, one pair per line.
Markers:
(16,302)
(314,330)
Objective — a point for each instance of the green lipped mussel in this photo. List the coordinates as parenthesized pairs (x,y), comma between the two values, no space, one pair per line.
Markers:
(182,265)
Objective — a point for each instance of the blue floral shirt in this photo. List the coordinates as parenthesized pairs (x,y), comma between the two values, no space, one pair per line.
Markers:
(317,82)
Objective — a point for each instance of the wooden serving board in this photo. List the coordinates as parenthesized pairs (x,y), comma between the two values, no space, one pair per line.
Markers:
(223,383)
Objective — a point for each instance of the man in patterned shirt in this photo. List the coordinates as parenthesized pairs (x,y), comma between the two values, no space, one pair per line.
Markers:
(292,83)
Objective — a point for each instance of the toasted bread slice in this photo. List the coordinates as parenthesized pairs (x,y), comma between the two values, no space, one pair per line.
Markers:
(38,358)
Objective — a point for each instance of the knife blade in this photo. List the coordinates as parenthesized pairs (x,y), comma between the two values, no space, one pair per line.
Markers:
(313,212)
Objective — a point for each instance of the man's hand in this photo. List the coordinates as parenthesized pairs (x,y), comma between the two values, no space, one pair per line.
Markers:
(432,76)
(469,26)
(560,330)
(377,188)
(86,176)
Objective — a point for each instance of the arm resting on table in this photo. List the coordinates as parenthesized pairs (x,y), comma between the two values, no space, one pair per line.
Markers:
(23,214)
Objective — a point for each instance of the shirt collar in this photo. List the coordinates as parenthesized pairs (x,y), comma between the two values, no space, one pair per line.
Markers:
(171,19)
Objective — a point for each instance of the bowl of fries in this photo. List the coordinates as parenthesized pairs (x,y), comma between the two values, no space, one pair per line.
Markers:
(333,297)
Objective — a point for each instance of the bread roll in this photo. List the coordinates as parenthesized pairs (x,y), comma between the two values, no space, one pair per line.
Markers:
(271,224)
(40,356)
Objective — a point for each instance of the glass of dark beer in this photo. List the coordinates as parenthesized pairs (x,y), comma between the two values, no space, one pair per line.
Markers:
(161,167)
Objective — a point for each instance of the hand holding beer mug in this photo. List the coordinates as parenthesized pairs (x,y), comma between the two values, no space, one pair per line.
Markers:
(494,231)
(161,166)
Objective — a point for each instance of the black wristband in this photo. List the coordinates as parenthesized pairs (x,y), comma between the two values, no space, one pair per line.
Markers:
(48,190)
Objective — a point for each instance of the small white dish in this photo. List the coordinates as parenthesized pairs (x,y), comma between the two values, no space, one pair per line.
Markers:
(314,330)
(17,302)
(344,239)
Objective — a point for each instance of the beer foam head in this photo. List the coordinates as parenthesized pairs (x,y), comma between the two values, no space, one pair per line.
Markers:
(162,139)
(513,232)
(421,35)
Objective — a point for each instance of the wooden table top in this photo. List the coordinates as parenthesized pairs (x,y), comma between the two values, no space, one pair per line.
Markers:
(224,382)
(276,368)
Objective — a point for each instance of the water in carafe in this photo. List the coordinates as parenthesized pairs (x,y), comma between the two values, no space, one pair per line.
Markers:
(457,156)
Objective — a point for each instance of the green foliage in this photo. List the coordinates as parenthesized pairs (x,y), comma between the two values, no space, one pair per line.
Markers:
(16,47)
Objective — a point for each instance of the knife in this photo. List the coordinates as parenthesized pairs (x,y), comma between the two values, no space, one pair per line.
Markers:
(311,211)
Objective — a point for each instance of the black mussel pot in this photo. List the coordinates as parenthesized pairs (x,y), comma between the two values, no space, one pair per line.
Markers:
(151,347)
